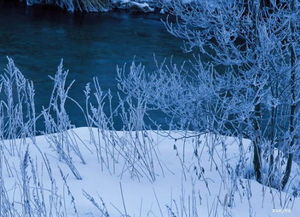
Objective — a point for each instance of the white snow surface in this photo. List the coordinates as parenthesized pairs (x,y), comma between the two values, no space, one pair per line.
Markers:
(143,6)
(176,187)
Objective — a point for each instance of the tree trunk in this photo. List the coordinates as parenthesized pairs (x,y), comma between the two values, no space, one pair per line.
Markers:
(292,123)
(256,144)
(271,154)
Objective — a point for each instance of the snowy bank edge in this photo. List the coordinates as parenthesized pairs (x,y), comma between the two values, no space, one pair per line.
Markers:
(138,6)
(144,189)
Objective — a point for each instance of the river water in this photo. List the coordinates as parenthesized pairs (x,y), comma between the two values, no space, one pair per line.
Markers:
(90,44)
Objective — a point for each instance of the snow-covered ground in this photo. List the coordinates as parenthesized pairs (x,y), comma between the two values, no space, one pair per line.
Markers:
(142,174)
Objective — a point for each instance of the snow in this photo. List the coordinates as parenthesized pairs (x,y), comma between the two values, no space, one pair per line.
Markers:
(138,5)
(176,186)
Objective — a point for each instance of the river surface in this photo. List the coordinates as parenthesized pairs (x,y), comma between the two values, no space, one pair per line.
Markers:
(90,44)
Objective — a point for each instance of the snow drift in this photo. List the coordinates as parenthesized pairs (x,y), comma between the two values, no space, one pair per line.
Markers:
(174,174)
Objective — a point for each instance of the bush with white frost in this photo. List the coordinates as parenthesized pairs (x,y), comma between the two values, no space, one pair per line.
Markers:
(243,80)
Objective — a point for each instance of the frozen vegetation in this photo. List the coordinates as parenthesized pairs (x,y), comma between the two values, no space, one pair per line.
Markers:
(144,6)
(98,171)
(232,147)
(97,5)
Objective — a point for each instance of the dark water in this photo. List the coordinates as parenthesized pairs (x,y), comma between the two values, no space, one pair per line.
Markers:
(90,44)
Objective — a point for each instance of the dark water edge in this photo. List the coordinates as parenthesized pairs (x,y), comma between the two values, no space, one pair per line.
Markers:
(92,45)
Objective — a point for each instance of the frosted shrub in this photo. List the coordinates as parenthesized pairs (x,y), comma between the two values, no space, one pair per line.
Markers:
(134,147)
(63,141)
(96,116)
(17,109)
(243,81)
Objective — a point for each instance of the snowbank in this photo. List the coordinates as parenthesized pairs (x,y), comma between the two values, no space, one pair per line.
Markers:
(174,174)
(142,6)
